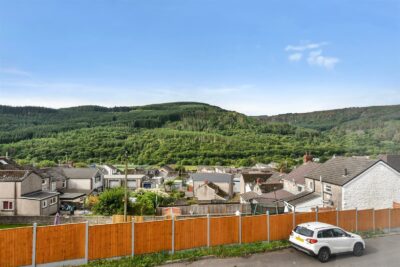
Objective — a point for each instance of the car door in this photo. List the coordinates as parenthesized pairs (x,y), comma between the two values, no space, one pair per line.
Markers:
(342,241)
(326,237)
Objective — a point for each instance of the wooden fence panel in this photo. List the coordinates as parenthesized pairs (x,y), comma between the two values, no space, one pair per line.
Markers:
(60,243)
(224,230)
(190,233)
(16,247)
(382,219)
(328,217)
(365,220)
(254,228)
(395,218)
(347,220)
(304,217)
(281,226)
(153,237)
(110,240)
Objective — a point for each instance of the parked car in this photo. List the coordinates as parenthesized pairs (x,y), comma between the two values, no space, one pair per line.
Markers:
(323,240)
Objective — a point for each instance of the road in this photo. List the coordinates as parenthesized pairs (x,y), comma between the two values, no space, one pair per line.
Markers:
(379,252)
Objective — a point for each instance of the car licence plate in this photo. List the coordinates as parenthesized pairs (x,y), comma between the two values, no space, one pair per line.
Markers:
(298,238)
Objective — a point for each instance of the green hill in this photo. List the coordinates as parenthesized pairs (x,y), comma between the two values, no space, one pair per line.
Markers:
(191,133)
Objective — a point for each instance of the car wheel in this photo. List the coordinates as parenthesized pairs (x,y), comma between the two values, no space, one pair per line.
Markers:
(358,249)
(324,255)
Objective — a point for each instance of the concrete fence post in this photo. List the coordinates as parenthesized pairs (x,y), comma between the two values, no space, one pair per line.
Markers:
(337,216)
(133,237)
(373,220)
(390,219)
(356,219)
(87,242)
(240,229)
(316,214)
(294,217)
(268,226)
(34,244)
(173,235)
(208,230)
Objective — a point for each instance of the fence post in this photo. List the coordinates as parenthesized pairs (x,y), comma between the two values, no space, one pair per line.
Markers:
(316,214)
(173,234)
(337,216)
(356,219)
(34,244)
(294,217)
(268,225)
(208,230)
(133,237)
(373,219)
(389,220)
(240,229)
(87,242)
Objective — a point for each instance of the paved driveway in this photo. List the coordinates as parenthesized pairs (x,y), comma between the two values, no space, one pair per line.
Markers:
(380,252)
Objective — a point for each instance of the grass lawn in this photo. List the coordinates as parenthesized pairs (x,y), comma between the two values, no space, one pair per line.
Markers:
(7,226)
(191,255)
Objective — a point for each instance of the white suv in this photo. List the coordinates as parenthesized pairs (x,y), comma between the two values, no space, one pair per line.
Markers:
(323,240)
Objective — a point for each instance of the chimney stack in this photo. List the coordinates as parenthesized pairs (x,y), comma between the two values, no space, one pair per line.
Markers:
(307,158)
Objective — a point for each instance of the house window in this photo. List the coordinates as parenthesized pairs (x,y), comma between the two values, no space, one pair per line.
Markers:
(64,184)
(299,188)
(44,204)
(97,179)
(327,188)
(43,181)
(53,200)
(8,205)
(310,185)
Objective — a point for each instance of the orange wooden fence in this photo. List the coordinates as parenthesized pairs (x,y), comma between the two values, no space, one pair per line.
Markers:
(153,236)
(110,240)
(16,247)
(190,233)
(224,230)
(254,228)
(64,243)
(60,243)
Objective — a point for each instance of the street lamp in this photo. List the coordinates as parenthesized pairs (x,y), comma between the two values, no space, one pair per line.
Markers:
(126,188)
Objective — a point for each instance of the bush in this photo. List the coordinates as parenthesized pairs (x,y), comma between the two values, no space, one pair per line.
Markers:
(110,202)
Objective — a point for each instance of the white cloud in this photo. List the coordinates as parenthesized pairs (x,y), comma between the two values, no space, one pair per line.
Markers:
(316,58)
(305,46)
(15,71)
(295,57)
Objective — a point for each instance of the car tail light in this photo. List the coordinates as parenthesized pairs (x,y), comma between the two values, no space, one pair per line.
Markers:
(311,241)
(291,234)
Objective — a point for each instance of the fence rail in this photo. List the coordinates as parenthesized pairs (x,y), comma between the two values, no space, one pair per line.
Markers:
(74,244)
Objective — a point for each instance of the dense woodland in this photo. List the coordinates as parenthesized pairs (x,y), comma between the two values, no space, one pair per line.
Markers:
(192,134)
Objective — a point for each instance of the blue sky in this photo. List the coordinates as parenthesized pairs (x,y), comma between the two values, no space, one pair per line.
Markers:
(255,57)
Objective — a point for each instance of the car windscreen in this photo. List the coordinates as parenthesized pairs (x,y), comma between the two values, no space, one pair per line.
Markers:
(303,231)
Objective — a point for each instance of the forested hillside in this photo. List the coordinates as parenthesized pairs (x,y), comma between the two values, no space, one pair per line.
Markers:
(191,133)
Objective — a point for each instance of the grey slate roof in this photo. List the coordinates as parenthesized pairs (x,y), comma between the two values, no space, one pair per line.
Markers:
(13,175)
(249,195)
(80,173)
(40,195)
(392,160)
(297,174)
(212,177)
(301,198)
(252,177)
(8,164)
(341,170)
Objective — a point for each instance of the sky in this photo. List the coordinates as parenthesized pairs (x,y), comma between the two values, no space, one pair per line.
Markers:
(256,57)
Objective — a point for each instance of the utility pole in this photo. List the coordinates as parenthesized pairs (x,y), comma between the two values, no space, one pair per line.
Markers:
(126,188)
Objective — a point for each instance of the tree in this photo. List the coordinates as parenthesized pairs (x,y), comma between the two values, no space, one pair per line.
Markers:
(147,200)
(110,202)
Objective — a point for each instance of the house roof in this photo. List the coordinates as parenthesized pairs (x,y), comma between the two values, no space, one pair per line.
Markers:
(9,164)
(280,194)
(79,173)
(40,195)
(122,176)
(392,160)
(249,195)
(218,190)
(55,172)
(341,170)
(297,174)
(13,175)
(252,177)
(212,177)
(301,198)
(167,168)
(276,178)
(71,196)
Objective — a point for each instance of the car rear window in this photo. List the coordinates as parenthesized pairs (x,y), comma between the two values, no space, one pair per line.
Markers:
(303,231)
